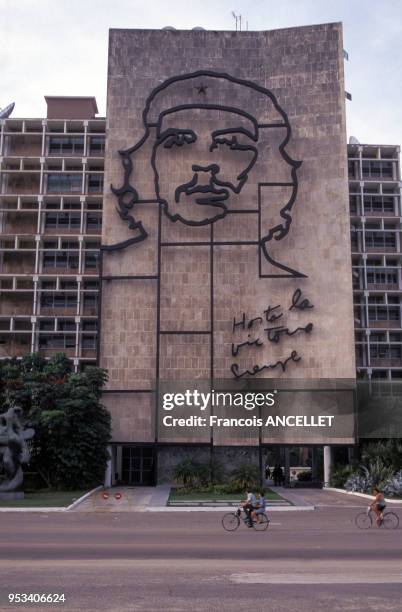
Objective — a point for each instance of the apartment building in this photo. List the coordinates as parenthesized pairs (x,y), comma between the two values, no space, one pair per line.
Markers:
(375,217)
(51,186)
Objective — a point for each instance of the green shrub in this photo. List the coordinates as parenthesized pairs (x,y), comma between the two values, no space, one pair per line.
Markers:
(194,474)
(304,476)
(340,475)
(185,473)
(389,452)
(246,475)
(378,473)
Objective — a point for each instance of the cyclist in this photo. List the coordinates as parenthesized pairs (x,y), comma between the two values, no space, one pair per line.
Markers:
(260,507)
(248,505)
(378,505)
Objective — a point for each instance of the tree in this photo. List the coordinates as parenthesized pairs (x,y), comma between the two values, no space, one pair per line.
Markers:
(72,427)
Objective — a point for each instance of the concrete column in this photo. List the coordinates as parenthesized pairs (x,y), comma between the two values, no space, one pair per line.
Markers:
(108,471)
(119,462)
(327,465)
(287,467)
(314,474)
(352,455)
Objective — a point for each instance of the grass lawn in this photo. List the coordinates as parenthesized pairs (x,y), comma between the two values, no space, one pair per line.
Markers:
(180,495)
(44,499)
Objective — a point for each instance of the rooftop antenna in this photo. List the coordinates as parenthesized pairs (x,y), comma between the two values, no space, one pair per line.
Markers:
(237,18)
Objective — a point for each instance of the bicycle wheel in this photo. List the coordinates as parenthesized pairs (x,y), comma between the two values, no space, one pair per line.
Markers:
(363,520)
(261,523)
(230,521)
(390,520)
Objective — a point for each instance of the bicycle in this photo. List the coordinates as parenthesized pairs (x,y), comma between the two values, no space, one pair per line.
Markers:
(231,521)
(365,520)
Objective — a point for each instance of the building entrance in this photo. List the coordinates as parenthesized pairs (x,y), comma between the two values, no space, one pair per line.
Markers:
(292,464)
(137,465)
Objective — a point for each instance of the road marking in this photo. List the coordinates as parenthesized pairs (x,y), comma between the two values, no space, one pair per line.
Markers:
(315,578)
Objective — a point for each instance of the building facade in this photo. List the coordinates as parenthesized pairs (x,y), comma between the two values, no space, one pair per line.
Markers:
(229,175)
(231,201)
(51,194)
(375,216)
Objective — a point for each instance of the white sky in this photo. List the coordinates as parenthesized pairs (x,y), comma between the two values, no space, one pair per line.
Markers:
(59,47)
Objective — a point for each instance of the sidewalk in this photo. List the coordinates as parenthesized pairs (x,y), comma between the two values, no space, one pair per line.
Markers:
(295,504)
(117,499)
(154,499)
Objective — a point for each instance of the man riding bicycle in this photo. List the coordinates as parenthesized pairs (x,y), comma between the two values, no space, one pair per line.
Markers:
(378,505)
(260,507)
(248,505)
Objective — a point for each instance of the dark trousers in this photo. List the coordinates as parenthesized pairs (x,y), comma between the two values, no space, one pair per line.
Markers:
(248,508)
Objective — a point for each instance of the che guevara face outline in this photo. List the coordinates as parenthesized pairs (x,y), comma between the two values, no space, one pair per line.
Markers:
(214,160)
(128,196)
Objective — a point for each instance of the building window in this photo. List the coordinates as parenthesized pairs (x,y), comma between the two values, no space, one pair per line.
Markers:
(97,145)
(88,342)
(383,313)
(66,145)
(91,301)
(377,169)
(64,183)
(94,205)
(382,277)
(378,204)
(66,325)
(63,221)
(90,325)
(91,285)
(91,261)
(380,240)
(57,341)
(351,169)
(58,300)
(94,222)
(95,183)
(68,285)
(60,259)
(385,351)
(353,204)
(46,325)
(47,285)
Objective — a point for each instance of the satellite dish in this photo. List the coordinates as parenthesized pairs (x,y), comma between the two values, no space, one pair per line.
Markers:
(353,140)
(168,28)
(6,111)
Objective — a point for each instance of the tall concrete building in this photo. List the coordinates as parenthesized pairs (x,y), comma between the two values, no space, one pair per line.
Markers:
(233,191)
(51,193)
(227,156)
(375,216)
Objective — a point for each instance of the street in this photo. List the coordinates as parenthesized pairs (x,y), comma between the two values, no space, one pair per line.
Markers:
(185,561)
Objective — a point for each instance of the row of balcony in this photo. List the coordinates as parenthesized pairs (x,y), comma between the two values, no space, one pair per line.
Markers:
(17,344)
(376,170)
(51,222)
(375,205)
(375,241)
(73,183)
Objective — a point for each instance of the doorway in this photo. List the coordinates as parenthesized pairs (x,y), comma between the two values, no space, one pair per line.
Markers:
(138,466)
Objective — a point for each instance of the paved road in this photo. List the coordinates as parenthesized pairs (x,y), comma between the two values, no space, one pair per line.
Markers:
(186,562)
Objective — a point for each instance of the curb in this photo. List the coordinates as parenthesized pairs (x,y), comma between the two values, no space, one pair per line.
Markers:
(33,509)
(56,509)
(78,501)
(365,495)
(225,509)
